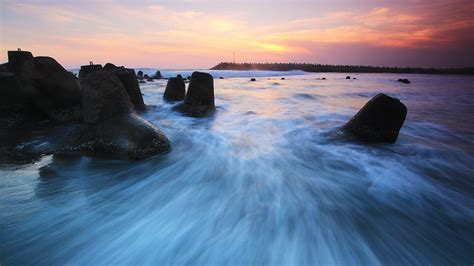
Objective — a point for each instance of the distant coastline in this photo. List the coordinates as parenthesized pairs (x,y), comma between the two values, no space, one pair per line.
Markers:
(340,68)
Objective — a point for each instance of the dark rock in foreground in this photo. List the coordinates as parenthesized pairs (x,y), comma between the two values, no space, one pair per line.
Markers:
(128,79)
(109,66)
(103,96)
(87,69)
(111,126)
(379,120)
(199,100)
(175,89)
(406,81)
(124,136)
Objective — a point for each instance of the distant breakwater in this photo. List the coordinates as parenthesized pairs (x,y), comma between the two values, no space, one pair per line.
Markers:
(340,68)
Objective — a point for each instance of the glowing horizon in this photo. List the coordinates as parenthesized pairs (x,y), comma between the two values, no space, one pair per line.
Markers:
(200,33)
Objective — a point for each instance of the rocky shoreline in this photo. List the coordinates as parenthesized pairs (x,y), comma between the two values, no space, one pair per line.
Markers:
(104,105)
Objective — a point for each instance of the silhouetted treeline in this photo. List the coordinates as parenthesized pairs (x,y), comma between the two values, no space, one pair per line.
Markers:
(340,68)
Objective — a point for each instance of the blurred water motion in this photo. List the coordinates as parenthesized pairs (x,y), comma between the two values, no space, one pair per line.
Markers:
(263,181)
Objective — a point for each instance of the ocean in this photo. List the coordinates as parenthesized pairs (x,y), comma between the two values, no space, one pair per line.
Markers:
(266,180)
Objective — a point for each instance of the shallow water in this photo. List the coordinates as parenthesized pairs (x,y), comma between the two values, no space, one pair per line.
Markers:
(266,180)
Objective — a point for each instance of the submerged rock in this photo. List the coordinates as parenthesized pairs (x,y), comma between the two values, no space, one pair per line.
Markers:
(379,120)
(87,69)
(175,89)
(199,100)
(406,81)
(111,126)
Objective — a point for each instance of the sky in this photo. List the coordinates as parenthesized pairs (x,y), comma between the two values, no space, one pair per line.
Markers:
(202,33)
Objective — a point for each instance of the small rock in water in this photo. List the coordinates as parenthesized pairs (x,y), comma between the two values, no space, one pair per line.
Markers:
(141,81)
(406,81)
(221,77)
(282,78)
(323,78)
(140,74)
(157,75)
(175,89)
(348,77)
(253,79)
(199,100)
(379,120)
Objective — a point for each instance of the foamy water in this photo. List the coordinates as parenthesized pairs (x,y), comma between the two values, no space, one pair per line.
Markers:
(265,180)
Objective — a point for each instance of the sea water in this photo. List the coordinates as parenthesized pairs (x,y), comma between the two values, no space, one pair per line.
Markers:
(267,179)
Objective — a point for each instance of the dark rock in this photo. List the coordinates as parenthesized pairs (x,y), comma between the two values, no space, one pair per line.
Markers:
(4,68)
(15,107)
(140,74)
(87,69)
(323,78)
(199,100)
(379,120)
(103,96)
(354,78)
(348,77)
(111,126)
(141,81)
(59,92)
(406,81)
(150,80)
(253,79)
(146,76)
(188,77)
(124,136)
(221,77)
(175,89)
(128,79)
(109,66)
(157,75)
(282,78)
(17,60)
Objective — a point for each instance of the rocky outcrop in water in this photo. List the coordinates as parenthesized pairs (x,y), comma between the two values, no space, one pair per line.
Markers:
(157,75)
(379,120)
(199,100)
(406,81)
(175,89)
(111,126)
(140,74)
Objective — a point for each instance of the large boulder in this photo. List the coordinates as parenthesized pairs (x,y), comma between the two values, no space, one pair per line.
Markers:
(128,79)
(140,74)
(379,120)
(111,126)
(87,69)
(59,92)
(103,96)
(199,100)
(46,89)
(18,59)
(175,89)
(15,107)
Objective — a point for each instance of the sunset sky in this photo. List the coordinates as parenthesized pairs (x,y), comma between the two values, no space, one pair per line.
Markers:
(200,33)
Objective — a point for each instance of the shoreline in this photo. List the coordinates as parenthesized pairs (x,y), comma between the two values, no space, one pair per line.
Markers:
(319,68)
